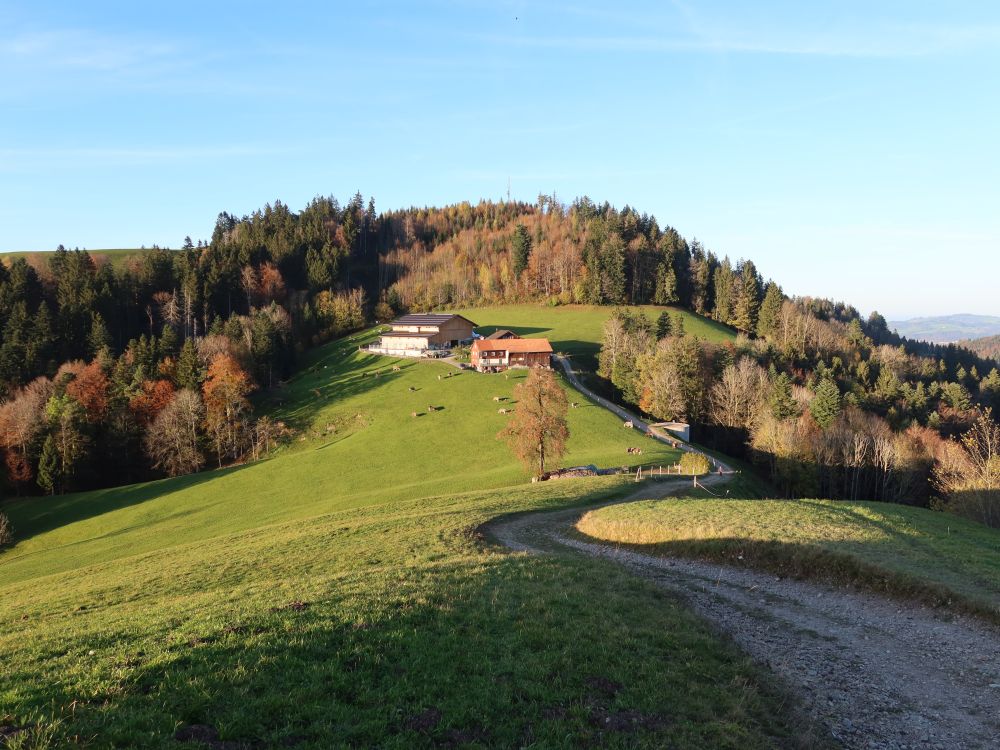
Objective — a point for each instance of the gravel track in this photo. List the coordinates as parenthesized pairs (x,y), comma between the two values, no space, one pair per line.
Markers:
(877,673)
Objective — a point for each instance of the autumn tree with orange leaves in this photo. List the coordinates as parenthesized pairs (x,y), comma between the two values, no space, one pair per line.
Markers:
(538,432)
(225,393)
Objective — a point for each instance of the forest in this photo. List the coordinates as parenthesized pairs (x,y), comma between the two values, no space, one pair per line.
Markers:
(152,361)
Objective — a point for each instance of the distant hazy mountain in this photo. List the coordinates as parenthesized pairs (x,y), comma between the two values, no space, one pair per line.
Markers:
(947,329)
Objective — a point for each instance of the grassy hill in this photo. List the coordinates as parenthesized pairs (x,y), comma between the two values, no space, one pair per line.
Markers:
(336,595)
(358,445)
(577,329)
(116,256)
(899,550)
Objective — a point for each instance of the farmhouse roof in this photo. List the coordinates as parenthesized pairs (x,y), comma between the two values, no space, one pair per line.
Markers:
(428,319)
(521,346)
(502,333)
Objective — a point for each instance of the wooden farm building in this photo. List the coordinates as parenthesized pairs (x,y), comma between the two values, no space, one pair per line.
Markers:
(424,334)
(500,334)
(494,355)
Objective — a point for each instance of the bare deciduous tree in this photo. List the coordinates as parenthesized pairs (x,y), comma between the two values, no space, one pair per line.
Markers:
(968,472)
(171,440)
(738,398)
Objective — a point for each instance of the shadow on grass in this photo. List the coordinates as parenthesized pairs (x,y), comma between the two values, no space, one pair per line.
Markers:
(523,331)
(507,655)
(38,515)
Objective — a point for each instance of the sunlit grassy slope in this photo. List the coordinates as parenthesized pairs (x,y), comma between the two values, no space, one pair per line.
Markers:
(893,548)
(386,626)
(577,329)
(336,595)
(358,444)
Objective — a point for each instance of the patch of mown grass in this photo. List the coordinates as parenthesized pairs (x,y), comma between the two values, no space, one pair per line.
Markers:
(896,550)
(387,626)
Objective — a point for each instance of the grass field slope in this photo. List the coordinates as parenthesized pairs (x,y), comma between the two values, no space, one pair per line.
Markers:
(893,549)
(336,595)
(577,330)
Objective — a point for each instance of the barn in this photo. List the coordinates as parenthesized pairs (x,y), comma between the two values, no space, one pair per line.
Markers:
(424,334)
(494,355)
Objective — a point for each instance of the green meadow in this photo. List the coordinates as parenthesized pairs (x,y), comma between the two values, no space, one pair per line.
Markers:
(577,330)
(338,594)
(356,443)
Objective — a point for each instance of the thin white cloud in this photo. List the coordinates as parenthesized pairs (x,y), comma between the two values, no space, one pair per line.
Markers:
(20,159)
(82,49)
(697,34)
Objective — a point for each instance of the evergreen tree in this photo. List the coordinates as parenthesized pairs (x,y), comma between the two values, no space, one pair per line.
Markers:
(188,372)
(746,305)
(825,406)
(666,284)
(678,325)
(723,282)
(99,338)
(770,311)
(168,342)
(664,326)
(48,466)
(782,403)
(520,249)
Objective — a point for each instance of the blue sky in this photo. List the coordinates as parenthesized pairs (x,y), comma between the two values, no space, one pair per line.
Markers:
(851,150)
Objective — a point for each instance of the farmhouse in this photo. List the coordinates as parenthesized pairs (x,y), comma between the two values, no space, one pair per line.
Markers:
(424,334)
(494,355)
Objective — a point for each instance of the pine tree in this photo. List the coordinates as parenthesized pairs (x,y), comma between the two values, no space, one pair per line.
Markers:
(189,373)
(825,406)
(664,326)
(782,402)
(48,466)
(168,342)
(678,325)
(746,305)
(770,310)
(520,249)
(666,284)
(99,338)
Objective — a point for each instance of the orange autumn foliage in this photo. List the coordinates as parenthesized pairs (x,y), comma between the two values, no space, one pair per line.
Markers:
(90,389)
(151,400)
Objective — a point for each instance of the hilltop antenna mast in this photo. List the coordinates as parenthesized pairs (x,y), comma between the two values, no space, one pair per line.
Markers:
(508,189)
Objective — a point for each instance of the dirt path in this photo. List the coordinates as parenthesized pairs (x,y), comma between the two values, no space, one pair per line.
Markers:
(876,673)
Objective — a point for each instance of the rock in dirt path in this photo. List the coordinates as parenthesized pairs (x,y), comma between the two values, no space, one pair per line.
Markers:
(876,673)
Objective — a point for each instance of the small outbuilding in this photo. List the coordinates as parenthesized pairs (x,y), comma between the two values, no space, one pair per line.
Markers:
(500,334)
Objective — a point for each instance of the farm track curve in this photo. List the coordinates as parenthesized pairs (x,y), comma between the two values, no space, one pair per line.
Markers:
(876,673)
